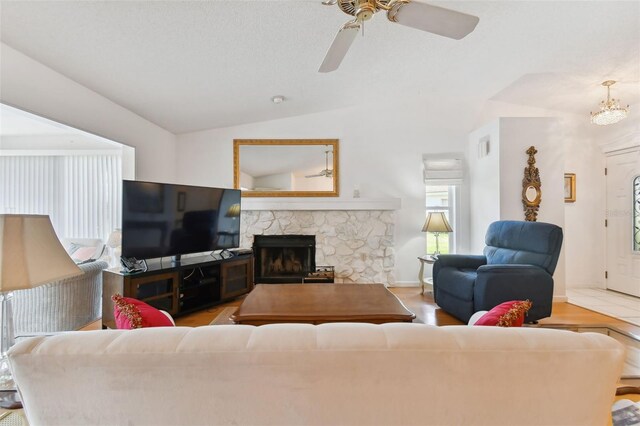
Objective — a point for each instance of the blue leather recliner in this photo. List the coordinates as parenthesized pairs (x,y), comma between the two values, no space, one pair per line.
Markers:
(517,264)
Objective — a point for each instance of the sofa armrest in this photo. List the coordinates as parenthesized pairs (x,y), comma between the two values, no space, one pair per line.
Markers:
(496,284)
(95,266)
(63,305)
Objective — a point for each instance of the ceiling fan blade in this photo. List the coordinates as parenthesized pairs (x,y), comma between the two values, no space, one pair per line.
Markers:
(434,19)
(339,47)
(312,176)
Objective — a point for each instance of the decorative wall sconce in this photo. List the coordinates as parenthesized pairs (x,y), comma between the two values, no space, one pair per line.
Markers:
(531,192)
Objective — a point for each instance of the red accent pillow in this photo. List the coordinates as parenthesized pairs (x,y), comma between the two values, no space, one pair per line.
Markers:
(132,313)
(507,314)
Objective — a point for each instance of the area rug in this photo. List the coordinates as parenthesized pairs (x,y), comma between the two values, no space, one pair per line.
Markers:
(223,316)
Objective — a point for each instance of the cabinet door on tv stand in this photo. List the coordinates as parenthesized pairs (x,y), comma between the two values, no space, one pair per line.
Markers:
(237,277)
(159,291)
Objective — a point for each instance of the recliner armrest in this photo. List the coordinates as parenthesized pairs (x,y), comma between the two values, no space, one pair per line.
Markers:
(460,261)
(465,261)
(511,268)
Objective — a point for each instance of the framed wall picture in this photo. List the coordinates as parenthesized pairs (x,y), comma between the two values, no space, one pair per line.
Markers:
(569,187)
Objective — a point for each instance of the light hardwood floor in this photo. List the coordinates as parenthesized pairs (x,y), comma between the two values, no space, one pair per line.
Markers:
(428,312)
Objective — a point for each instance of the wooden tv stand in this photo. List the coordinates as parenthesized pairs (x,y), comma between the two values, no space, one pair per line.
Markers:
(193,284)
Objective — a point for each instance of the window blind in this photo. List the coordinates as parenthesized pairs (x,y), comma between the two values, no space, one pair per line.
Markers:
(81,193)
(443,169)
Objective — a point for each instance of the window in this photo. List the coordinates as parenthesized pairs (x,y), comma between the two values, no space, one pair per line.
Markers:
(441,199)
(443,175)
(81,193)
(636,213)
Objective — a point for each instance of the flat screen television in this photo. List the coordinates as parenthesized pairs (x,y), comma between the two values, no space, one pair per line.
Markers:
(160,219)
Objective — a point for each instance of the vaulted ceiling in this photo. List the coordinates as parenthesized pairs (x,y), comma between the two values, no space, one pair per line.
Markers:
(193,65)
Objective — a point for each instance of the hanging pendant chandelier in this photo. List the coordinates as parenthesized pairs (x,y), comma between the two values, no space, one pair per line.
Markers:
(610,110)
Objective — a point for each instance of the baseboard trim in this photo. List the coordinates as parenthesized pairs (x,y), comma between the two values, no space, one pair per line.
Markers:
(560,299)
(405,284)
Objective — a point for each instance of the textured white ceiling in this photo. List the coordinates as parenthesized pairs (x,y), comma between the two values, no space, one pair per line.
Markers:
(192,65)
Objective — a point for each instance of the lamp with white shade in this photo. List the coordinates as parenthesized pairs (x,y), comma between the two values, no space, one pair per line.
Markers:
(115,247)
(30,255)
(437,223)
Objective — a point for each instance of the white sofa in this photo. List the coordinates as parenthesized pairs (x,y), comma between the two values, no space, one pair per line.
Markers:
(63,305)
(331,374)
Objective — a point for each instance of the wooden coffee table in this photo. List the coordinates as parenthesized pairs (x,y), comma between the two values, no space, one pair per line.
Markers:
(321,303)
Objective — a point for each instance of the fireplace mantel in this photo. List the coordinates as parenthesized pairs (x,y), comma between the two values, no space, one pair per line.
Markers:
(321,203)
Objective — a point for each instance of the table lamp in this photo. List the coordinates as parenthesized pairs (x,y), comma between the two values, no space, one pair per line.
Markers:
(115,247)
(437,223)
(30,255)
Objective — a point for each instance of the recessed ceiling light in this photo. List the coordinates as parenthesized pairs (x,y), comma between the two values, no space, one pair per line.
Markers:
(277,99)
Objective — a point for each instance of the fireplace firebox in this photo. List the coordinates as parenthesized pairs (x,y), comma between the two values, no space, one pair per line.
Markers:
(283,258)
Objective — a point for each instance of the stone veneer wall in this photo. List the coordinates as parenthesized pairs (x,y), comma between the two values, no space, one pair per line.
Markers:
(359,244)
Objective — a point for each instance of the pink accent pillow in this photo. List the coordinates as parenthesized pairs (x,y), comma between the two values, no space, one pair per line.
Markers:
(507,314)
(132,313)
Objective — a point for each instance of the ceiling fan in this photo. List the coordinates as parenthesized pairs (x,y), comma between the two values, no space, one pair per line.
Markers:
(326,172)
(422,16)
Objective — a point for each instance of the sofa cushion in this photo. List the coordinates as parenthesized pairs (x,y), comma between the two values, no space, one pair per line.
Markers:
(131,313)
(507,314)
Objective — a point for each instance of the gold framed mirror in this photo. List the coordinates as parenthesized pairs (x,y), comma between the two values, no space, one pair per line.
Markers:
(286,167)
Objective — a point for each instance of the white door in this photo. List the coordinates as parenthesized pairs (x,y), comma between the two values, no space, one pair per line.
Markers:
(623,232)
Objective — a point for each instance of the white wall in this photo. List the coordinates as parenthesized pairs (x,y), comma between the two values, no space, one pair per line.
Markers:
(381,151)
(246,181)
(317,183)
(30,86)
(516,136)
(484,183)
(280,181)
(584,219)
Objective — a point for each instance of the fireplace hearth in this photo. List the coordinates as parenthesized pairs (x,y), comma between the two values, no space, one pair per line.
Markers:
(283,258)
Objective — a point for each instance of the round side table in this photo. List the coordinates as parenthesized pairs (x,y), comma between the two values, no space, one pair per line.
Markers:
(428,259)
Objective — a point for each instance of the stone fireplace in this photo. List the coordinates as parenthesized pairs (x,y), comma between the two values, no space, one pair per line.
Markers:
(283,258)
(358,243)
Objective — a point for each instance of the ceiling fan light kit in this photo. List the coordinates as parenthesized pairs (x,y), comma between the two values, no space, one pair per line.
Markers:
(422,16)
(365,9)
(610,110)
